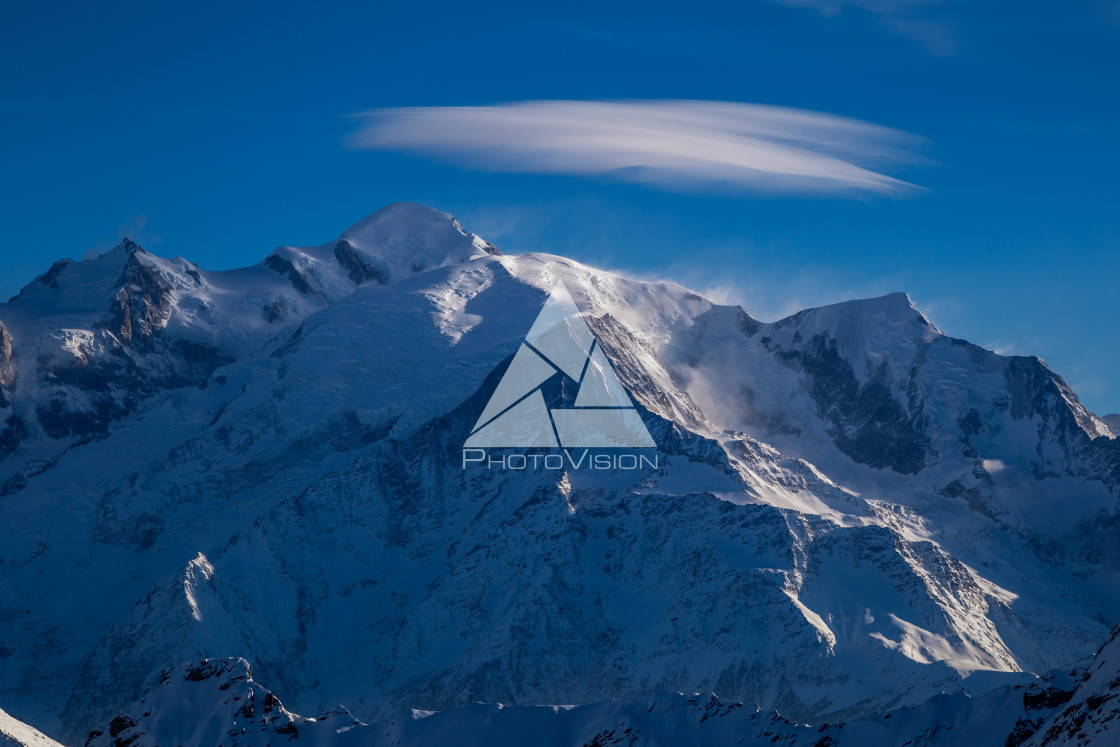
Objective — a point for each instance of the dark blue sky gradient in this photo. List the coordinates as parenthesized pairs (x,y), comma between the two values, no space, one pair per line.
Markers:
(217,134)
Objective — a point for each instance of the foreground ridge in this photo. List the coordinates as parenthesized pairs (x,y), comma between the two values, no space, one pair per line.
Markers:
(218,702)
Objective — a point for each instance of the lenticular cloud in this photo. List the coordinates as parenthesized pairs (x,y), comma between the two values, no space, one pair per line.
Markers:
(674,145)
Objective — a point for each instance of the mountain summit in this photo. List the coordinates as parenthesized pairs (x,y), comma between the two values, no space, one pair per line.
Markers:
(850,511)
(396,242)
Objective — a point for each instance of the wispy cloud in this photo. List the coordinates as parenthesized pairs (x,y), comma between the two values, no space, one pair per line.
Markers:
(919,20)
(672,145)
(832,7)
(133,228)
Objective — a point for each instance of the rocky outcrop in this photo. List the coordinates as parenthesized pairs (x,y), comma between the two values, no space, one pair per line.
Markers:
(1092,716)
(12,428)
(213,701)
(490,249)
(142,303)
(358,269)
(48,278)
(7,370)
(284,267)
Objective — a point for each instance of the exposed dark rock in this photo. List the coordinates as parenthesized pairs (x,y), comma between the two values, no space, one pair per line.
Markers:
(119,723)
(975,498)
(50,277)
(291,343)
(1042,698)
(275,311)
(59,420)
(270,702)
(142,305)
(1085,719)
(7,370)
(13,434)
(358,269)
(1038,392)
(868,423)
(748,325)
(284,267)
(201,359)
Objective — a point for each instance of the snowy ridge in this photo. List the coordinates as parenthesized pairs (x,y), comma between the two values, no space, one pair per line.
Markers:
(218,702)
(851,512)
(15,733)
(214,702)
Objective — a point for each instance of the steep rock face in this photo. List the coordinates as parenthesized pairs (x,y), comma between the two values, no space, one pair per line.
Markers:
(298,278)
(142,304)
(7,370)
(866,421)
(12,429)
(359,270)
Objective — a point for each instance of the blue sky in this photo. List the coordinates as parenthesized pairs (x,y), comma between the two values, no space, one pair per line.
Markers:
(219,133)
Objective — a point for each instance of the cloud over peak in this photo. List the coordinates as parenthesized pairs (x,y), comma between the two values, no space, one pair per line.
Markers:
(671,145)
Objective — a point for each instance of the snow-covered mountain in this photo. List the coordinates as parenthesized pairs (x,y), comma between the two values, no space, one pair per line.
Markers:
(851,512)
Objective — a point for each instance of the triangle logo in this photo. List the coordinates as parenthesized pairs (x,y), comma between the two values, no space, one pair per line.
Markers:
(560,343)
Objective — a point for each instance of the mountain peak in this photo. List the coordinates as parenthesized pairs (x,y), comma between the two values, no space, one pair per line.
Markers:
(409,228)
(82,280)
(129,246)
(856,314)
(399,215)
(897,300)
(396,242)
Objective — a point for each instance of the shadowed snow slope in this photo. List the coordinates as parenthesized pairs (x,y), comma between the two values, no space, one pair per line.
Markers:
(851,512)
